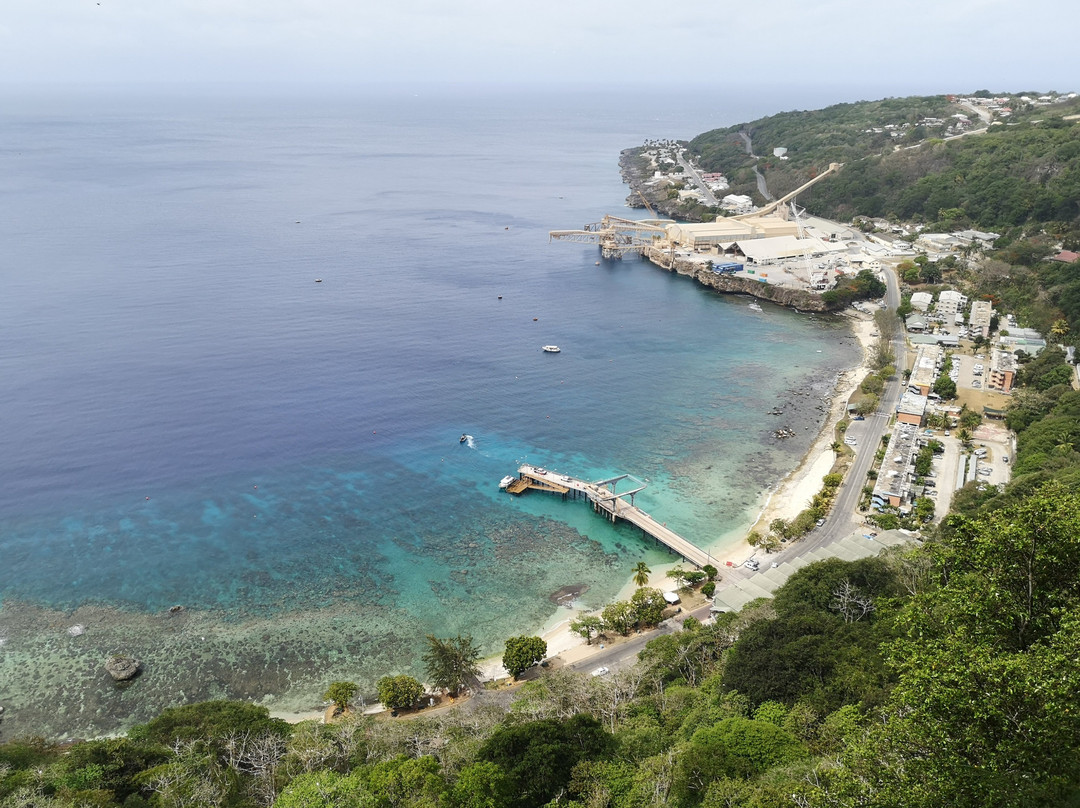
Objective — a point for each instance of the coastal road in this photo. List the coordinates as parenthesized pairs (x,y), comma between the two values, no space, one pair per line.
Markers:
(710,197)
(844,516)
(624,655)
(876,425)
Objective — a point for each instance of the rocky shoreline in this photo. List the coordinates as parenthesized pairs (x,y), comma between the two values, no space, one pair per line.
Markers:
(797,299)
(632,174)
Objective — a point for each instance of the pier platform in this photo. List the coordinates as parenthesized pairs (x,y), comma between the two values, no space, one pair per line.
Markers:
(605,499)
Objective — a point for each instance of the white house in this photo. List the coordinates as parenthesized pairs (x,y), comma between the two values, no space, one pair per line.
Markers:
(920,301)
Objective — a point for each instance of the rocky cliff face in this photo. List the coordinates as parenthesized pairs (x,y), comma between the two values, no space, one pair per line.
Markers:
(632,174)
(781,295)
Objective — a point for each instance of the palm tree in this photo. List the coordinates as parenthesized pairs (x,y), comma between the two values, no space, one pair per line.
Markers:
(1059,329)
(641,574)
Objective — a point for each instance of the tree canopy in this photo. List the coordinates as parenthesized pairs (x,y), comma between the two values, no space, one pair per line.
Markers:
(522,653)
(399,691)
(451,663)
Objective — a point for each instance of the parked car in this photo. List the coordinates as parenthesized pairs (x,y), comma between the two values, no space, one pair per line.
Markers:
(600,672)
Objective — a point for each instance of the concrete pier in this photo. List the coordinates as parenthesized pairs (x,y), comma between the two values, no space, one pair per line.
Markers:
(605,499)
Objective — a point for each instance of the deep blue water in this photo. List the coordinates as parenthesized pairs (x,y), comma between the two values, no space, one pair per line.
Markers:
(188,417)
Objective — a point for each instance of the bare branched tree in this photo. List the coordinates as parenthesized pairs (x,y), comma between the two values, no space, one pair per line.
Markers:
(258,757)
(853,604)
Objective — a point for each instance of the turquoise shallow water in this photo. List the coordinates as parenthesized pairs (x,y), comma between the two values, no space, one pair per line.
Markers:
(200,423)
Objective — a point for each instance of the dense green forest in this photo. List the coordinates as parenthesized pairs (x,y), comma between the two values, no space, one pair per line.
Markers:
(1020,172)
(943,673)
(837,134)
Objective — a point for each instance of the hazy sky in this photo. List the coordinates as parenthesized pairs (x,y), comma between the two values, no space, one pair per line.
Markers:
(902,46)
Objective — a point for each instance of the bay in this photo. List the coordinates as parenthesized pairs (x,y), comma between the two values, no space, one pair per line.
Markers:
(241,339)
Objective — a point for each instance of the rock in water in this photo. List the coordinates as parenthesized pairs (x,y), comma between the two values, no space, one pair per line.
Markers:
(122,668)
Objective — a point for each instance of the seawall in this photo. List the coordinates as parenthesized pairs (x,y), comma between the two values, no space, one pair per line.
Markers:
(781,295)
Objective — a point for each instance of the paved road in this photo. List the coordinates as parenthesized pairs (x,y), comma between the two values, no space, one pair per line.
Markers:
(844,518)
(623,655)
(710,197)
(984,114)
(763,189)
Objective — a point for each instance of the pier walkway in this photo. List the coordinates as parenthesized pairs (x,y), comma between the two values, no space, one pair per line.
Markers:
(604,498)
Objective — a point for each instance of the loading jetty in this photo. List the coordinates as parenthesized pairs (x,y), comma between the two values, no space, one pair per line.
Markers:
(606,500)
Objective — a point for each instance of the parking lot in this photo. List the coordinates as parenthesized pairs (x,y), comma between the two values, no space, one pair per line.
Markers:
(971,371)
(952,468)
(944,468)
(993,468)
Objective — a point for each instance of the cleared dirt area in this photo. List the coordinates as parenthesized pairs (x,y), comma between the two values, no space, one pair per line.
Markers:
(977,399)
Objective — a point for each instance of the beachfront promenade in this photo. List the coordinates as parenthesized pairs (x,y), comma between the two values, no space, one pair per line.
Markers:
(605,499)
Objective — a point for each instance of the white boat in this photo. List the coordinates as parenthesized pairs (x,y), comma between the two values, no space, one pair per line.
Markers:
(505,481)
(754,306)
(552,349)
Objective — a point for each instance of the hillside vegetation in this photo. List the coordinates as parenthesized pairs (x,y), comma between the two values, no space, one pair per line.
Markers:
(1021,171)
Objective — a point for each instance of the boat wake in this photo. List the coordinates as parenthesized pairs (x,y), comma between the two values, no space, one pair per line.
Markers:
(468,441)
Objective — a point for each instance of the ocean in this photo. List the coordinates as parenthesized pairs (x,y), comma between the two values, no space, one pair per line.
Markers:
(242,336)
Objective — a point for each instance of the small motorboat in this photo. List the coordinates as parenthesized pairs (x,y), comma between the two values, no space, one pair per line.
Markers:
(505,481)
(464,438)
(754,306)
(552,349)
